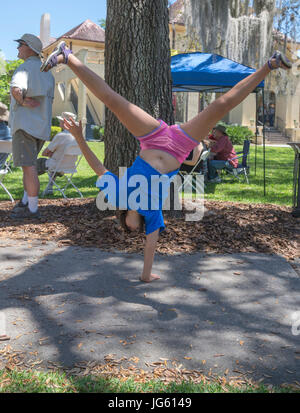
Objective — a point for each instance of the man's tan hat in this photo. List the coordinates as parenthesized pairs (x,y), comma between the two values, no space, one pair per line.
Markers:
(32,41)
(4,113)
(67,115)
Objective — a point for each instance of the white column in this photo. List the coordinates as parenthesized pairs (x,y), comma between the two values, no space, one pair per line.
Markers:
(45,29)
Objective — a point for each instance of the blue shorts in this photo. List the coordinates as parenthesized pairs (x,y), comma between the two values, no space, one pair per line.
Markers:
(142,188)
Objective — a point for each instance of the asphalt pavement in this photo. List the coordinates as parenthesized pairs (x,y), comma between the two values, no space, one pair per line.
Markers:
(231,313)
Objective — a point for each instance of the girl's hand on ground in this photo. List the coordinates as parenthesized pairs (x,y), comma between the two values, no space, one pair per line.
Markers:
(150,278)
(74,128)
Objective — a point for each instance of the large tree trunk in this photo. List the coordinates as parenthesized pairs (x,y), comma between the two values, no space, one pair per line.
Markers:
(137,65)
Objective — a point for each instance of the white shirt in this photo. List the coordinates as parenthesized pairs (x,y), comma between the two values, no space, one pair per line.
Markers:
(58,145)
(38,85)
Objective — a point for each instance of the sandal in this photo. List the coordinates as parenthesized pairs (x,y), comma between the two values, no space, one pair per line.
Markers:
(280,59)
(51,60)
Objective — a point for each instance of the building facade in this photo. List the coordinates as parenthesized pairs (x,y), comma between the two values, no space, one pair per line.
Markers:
(87,40)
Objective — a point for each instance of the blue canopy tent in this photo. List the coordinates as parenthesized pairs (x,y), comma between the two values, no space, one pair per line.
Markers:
(205,72)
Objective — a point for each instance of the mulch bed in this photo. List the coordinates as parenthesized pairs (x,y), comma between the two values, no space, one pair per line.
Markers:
(227,227)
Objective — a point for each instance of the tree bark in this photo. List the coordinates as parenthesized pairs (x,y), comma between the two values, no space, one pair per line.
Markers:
(137,66)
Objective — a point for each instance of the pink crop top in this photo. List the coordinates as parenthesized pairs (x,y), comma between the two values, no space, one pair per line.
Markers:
(170,139)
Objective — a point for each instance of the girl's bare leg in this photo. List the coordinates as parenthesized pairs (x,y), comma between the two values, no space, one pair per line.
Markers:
(135,119)
(200,125)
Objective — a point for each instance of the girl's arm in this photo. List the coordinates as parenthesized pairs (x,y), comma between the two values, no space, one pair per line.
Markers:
(149,251)
(196,155)
(92,160)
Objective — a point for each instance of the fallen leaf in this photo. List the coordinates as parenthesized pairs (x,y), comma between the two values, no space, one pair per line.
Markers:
(4,337)
(134,359)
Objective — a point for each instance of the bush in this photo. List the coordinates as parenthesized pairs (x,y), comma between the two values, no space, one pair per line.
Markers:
(237,134)
(8,68)
(55,122)
(98,132)
(54,131)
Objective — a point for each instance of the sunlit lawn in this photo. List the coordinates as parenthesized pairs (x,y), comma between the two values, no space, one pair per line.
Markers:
(279,177)
(14,381)
(85,179)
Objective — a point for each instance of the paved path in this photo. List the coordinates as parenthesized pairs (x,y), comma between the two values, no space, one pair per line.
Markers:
(72,304)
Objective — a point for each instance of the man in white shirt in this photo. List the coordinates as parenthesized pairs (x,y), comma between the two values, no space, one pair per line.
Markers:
(32,95)
(58,161)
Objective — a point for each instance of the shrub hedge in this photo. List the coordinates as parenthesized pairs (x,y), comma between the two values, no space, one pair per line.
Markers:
(237,134)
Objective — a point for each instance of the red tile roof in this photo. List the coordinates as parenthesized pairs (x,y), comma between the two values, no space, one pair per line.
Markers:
(50,41)
(86,31)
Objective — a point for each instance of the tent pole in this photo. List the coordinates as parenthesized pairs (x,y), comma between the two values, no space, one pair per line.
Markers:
(186,106)
(264,142)
(256,132)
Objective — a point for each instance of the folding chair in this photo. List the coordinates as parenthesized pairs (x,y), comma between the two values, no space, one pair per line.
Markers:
(5,147)
(8,162)
(193,170)
(6,159)
(242,168)
(71,149)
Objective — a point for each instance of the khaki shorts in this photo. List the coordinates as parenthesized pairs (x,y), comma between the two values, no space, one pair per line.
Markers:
(25,148)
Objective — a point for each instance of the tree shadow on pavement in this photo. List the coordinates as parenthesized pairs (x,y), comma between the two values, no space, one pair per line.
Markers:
(207,312)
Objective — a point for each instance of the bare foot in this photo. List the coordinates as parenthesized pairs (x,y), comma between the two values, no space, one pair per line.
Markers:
(153,277)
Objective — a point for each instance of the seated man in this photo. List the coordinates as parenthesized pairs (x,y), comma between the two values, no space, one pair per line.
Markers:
(55,152)
(4,131)
(221,153)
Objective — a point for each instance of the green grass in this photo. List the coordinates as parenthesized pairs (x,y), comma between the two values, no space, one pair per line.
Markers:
(58,382)
(85,179)
(279,177)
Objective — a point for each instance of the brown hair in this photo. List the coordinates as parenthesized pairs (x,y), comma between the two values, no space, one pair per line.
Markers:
(121,215)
